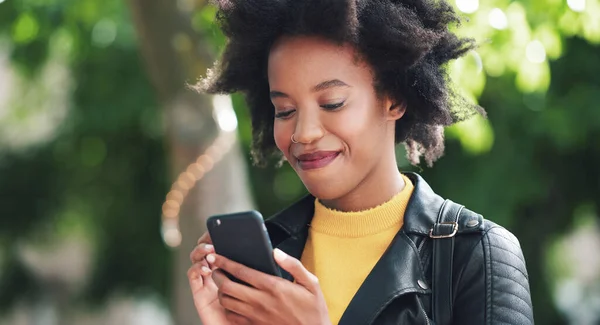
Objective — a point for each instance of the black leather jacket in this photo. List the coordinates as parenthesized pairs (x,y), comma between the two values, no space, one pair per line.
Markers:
(490,281)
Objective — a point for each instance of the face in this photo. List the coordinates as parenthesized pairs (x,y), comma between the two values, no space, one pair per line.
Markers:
(324,97)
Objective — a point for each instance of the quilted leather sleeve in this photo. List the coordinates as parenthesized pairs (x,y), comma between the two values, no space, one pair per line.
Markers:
(493,286)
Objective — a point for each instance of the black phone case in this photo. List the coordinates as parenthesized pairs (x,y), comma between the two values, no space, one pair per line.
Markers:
(242,237)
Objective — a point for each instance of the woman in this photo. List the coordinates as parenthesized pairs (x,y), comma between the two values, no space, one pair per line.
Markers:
(332,86)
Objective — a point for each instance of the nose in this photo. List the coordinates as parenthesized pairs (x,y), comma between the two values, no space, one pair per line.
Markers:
(308,127)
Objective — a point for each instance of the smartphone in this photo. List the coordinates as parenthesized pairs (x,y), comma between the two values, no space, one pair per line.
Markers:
(242,237)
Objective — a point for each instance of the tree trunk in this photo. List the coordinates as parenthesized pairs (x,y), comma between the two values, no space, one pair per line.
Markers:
(175,55)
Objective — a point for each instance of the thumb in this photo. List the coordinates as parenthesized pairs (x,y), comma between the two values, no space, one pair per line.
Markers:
(205,238)
(297,270)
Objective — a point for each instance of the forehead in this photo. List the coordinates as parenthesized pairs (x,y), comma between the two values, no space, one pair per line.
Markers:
(313,59)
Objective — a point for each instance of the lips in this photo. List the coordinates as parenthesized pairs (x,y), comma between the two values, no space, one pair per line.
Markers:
(318,159)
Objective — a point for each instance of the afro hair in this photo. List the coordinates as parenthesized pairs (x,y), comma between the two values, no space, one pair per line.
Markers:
(407,44)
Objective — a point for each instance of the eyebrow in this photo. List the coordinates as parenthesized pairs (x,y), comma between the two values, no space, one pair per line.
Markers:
(329,84)
(320,87)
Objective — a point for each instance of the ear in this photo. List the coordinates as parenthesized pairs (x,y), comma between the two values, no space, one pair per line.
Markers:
(394,110)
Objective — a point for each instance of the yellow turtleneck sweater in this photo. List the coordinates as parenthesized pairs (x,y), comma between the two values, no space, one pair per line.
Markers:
(343,247)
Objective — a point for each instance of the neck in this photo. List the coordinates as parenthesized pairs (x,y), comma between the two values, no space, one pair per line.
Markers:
(378,187)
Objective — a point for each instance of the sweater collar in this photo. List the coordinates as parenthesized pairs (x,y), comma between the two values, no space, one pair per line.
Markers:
(366,222)
(421,212)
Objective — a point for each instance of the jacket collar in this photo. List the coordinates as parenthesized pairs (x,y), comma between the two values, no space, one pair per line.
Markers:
(398,270)
(421,212)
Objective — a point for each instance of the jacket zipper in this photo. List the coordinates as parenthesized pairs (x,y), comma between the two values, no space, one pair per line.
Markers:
(423,310)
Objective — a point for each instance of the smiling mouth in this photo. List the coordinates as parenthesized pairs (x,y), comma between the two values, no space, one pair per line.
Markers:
(317,159)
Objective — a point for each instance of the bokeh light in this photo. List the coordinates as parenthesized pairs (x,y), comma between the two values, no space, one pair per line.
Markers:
(497,19)
(224,113)
(104,33)
(535,52)
(576,5)
(467,6)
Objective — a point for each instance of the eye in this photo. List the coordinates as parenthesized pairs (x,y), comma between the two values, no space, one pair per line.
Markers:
(285,114)
(332,107)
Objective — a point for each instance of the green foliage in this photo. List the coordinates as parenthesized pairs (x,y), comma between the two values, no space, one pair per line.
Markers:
(102,171)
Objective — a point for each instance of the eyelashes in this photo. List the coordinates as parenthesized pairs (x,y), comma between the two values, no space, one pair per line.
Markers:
(332,107)
(283,115)
(327,107)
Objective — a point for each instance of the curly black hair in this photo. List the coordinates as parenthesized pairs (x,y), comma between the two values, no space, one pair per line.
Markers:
(407,43)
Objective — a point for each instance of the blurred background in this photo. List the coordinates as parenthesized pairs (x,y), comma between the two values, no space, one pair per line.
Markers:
(109,162)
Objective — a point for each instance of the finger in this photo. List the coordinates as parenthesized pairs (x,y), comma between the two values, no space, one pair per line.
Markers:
(201,268)
(295,268)
(236,319)
(199,252)
(205,238)
(251,276)
(219,278)
(196,275)
(235,306)
(233,289)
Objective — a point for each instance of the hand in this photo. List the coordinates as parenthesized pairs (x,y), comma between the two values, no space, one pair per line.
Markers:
(270,299)
(204,289)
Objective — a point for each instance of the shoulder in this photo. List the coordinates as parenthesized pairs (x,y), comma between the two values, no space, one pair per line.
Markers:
(492,270)
(484,243)
(495,245)
(496,237)
(486,233)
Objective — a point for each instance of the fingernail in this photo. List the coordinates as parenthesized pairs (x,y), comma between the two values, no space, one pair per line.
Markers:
(279,254)
(206,270)
(210,258)
(208,247)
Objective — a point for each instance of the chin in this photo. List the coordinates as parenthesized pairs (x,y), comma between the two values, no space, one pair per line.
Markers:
(324,190)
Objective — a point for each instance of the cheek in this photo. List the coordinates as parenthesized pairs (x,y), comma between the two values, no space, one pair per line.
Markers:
(282,135)
(363,126)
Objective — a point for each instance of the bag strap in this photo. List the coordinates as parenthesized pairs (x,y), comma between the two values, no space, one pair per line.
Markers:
(443,233)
